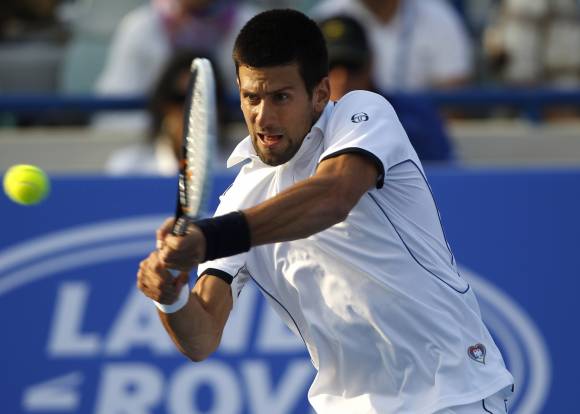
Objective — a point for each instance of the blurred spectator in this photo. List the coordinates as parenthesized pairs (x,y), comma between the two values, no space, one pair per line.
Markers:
(349,56)
(351,62)
(158,154)
(148,35)
(535,42)
(417,44)
(32,40)
(23,20)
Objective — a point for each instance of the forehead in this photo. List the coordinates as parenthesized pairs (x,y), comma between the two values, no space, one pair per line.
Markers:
(270,78)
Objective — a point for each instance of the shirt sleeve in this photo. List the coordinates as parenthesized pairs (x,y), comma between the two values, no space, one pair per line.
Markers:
(364,122)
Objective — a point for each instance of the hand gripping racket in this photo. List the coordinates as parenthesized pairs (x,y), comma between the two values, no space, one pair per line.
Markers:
(199,137)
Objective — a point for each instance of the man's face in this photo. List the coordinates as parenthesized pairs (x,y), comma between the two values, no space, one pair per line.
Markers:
(278,110)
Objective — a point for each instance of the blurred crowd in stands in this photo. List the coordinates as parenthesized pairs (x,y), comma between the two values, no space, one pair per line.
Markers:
(121,48)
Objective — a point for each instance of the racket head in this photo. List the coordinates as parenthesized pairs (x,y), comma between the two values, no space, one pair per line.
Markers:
(199,141)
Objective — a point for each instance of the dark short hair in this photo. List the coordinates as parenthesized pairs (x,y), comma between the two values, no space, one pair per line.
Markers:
(281,37)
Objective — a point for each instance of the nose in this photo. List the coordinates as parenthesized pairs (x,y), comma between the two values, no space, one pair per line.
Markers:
(265,116)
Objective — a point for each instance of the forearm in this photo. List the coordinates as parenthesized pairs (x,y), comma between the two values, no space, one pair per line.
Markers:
(306,208)
(196,328)
(191,330)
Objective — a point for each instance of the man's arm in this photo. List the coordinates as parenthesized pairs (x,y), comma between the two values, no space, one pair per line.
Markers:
(306,208)
(314,204)
(196,329)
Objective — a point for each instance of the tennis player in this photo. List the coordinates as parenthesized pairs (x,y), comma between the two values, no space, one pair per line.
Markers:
(333,219)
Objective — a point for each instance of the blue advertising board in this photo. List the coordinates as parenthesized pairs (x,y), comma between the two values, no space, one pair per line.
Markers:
(77,336)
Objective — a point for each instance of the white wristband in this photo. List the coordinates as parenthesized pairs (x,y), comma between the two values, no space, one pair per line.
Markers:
(181,301)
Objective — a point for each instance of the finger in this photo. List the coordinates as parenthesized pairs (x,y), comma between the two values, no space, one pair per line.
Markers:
(163,231)
(176,265)
(171,251)
(176,261)
(149,260)
(173,242)
(155,265)
(141,274)
(153,272)
(142,286)
(149,291)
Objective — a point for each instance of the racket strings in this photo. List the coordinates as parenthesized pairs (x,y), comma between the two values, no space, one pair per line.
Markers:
(199,139)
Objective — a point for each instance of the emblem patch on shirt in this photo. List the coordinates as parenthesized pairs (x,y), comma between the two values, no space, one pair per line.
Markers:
(359,117)
(477,353)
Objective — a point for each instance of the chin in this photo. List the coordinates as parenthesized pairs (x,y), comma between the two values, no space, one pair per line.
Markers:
(271,161)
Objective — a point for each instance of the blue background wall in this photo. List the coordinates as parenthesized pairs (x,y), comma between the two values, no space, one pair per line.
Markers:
(78,337)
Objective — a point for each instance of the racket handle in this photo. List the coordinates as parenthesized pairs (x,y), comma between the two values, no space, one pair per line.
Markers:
(179,229)
(180,226)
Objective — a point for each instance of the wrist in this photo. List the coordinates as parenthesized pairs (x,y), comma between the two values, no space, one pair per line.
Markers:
(180,302)
(225,235)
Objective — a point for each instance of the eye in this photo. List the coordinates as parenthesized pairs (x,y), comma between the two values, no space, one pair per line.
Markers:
(251,98)
(281,97)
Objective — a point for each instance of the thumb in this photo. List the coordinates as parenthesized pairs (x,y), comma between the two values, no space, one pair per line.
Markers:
(163,231)
(172,242)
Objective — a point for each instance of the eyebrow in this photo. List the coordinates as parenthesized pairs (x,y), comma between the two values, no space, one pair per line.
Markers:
(279,90)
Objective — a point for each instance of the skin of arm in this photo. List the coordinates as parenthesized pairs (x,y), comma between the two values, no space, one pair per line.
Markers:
(306,208)
(196,329)
(314,204)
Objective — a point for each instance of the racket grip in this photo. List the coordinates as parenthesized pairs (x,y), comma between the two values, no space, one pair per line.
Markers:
(180,226)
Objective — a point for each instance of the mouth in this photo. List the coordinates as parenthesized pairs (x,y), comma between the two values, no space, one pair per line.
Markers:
(269,140)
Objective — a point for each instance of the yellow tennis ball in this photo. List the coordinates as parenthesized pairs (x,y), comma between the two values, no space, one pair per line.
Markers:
(26,184)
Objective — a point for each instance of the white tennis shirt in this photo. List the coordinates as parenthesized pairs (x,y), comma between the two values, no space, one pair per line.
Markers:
(390,325)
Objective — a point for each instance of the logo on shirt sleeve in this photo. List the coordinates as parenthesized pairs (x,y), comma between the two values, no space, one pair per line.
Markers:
(477,353)
(359,117)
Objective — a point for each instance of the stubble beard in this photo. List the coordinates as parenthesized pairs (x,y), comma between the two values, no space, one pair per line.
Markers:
(271,158)
(290,151)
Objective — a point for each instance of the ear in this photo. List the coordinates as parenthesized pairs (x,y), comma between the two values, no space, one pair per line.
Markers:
(321,94)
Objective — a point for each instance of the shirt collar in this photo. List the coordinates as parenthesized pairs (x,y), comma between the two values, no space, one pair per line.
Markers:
(245,149)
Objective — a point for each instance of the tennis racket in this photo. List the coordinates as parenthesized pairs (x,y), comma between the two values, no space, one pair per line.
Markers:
(199,137)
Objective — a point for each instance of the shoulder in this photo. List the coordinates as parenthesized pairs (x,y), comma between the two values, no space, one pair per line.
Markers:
(362,115)
(358,96)
(366,121)
(356,105)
